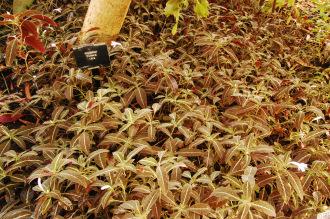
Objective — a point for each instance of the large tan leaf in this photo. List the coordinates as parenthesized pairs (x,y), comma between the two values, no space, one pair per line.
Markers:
(96,127)
(18,214)
(226,193)
(296,184)
(283,188)
(56,114)
(299,120)
(85,142)
(185,131)
(149,201)
(11,51)
(39,173)
(68,92)
(148,161)
(101,160)
(200,208)
(249,174)
(234,182)
(141,97)
(263,148)
(162,178)
(17,178)
(113,138)
(23,163)
(56,163)
(136,151)
(313,135)
(244,210)
(264,207)
(306,181)
(152,133)
(124,78)
(104,171)
(133,205)
(128,97)
(96,113)
(324,186)
(74,176)
(185,194)
(4,147)
(92,155)
(231,53)
(46,205)
(107,198)
(53,131)
(20,142)
(169,199)
(219,150)
(142,189)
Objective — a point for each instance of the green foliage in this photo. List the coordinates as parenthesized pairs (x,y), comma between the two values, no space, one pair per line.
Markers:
(201,8)
(271,5)
(322,21)
(21,5)
(174,8)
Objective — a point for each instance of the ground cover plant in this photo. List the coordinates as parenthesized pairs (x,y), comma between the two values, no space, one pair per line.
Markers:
(220,115)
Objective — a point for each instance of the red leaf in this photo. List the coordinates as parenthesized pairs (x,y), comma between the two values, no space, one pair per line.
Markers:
(35,42)
(31,37)
(6,118)
(28,29)
(45,19)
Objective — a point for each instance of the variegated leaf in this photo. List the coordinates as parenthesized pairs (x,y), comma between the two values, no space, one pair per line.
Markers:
(264,207)
(11,51)
(226,193)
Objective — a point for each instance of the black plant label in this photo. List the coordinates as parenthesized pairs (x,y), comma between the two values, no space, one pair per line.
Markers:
(91,56)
